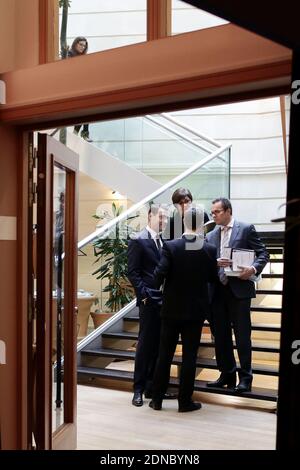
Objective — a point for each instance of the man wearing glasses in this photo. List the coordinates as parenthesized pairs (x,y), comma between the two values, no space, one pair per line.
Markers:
(231,296)
(182,199)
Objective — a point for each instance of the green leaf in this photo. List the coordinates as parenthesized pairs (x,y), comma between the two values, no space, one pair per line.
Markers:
(110,249)
(62,3)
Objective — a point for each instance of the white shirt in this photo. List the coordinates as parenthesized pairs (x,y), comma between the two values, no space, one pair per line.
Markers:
(197,243)
(154,235)
(230,226)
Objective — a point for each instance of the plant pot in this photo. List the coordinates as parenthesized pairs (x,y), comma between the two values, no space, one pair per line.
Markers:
(100,317)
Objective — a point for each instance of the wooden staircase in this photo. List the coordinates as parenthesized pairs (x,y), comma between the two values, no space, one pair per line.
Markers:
(111,357)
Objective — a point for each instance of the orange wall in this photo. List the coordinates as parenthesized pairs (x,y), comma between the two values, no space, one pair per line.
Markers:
(204,59)
(19,34)
(7,35)
(27,33)
(8,290)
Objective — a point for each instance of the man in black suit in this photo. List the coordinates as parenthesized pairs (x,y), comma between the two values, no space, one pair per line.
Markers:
(231,296)
(144,252)
(186,266)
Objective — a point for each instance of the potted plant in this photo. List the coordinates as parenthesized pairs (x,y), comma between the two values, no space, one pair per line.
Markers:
(98,315)
(111,250)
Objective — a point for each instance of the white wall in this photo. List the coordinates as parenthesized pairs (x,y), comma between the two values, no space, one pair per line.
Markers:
(187,18)
(107,23)
(115,23)
(258,177)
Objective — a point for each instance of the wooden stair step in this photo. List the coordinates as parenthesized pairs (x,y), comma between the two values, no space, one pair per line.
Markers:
(266,327)
(272,276)
(105,373)
(253,309)
(200,385)
(261,369)
(255,346)
(134,336)
(266,309)
(113,353)
(257,393)
(275,236)
(203,363)
(121,335)
(255,326)
(132,318)
(275,250)
(269,292)
(258,326)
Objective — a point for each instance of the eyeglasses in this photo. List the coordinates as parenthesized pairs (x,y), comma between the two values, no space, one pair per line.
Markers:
(183,202)
(217,211)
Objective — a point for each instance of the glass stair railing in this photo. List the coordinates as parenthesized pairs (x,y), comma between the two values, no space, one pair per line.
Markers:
(105,248)
(184,132)
(158,145)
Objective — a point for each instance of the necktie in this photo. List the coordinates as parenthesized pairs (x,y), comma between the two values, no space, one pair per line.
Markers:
(224,242)
(158,243)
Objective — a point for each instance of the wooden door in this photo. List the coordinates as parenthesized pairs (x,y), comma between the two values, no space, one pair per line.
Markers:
(56,295)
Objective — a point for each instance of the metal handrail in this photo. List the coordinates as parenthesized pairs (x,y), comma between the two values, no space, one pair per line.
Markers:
(102,328)
(179,134)
(191,130)
(152,196)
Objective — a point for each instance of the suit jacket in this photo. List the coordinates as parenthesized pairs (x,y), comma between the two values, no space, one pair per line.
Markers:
(242,236)
(185,273)
(143,257)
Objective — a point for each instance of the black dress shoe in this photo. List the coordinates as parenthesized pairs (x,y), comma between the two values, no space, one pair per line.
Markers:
(245,385)
(137,399)
(228,379)
(192,406)
(155,404)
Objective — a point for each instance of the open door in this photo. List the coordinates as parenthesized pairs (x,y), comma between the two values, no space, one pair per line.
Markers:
(56,295)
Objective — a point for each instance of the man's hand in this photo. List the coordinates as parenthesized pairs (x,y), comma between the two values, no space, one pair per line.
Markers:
(224,262)
(247,272)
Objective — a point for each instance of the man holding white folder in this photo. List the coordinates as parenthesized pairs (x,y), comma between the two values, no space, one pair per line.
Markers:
(231,296)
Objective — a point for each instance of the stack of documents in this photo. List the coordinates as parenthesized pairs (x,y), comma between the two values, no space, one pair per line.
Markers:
(239,257)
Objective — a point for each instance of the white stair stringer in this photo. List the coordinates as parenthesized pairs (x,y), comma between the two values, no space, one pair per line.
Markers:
(110,171)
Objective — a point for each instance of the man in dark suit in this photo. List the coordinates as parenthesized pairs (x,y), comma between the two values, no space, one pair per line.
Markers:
(186,266)
(231,296)
(144,252)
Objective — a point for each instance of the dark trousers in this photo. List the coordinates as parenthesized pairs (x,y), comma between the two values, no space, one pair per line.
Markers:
(230,312)
(147,347)
(190,335)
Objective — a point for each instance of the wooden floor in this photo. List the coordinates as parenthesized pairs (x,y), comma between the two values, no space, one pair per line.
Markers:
(108,421)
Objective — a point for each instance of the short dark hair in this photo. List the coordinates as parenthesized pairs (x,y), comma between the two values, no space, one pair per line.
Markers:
(181,193)
(193,218)
(226,204)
